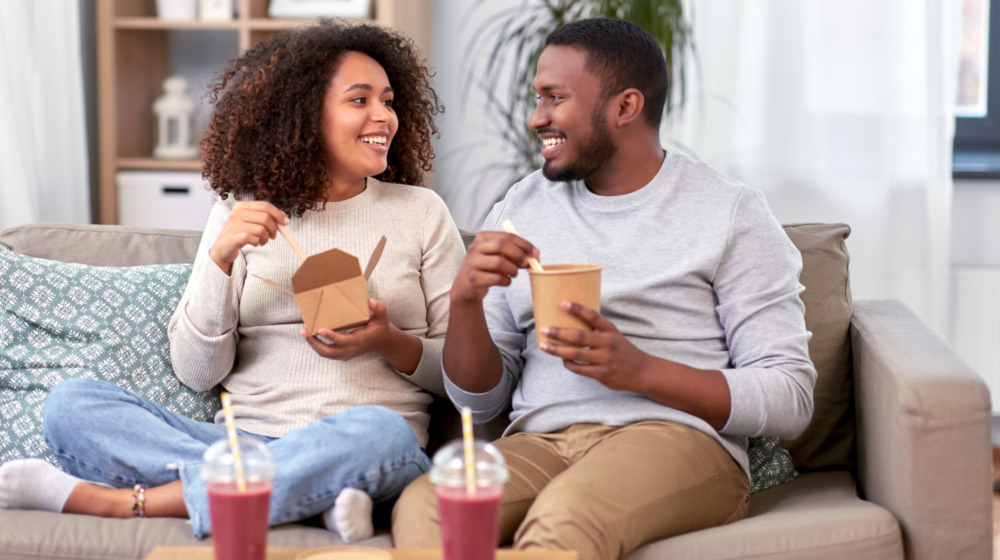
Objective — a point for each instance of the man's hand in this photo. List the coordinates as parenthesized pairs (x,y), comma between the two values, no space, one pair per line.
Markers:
(492,259)
(250,223)
(470,357)
(607,356)
(603,354)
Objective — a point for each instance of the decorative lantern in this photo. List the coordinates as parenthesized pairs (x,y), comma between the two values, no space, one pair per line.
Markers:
(175,138)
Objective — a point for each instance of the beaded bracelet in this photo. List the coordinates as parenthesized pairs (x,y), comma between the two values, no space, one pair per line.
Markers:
(139,500)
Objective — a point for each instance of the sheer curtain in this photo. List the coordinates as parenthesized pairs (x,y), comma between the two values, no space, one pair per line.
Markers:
(43,147)
(840,111)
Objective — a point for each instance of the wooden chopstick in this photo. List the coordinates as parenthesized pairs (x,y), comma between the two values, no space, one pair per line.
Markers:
(291,241)
(532,261)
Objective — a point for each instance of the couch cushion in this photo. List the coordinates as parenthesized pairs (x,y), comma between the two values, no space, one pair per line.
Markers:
(102,245)
(60,321)
(818,516)
(828,441)
(42,535)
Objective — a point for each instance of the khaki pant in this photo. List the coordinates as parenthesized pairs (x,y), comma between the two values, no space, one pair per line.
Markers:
(602,491)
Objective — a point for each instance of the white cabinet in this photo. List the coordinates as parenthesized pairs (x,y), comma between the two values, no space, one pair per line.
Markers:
(164,199)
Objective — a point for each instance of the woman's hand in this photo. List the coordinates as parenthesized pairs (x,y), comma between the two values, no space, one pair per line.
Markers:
(251,223)
(362,340)
(401,350)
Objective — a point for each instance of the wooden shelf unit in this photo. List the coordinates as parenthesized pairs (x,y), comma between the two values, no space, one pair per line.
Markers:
(133,60)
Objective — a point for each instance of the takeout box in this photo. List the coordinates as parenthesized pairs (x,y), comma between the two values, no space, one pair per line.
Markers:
(330,289)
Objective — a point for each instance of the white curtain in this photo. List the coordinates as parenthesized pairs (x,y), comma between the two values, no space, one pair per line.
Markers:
(43,146)
(839,111)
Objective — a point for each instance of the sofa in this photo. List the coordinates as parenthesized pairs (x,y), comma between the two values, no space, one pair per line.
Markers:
(895,464)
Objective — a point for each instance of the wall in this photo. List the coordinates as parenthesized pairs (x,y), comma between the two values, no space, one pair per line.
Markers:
(467,146)
(976,222)
(976,247)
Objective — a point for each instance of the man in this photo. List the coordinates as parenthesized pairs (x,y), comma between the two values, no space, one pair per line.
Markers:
(640,431)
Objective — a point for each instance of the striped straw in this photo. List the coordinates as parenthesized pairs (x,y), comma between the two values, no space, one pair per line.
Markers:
(470,461)
(234,444)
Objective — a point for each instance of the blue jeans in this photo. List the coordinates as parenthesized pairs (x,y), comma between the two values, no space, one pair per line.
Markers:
(105,434)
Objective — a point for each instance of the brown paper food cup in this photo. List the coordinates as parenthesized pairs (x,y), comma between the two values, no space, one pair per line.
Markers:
(578,283)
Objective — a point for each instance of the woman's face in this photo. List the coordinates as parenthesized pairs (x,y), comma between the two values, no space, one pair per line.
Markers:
(358,119)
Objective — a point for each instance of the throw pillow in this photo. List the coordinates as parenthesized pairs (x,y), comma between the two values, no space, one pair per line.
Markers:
(770,464)
(61,321)
(828,441)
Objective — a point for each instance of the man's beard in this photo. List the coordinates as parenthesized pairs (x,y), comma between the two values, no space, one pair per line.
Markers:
(590,156)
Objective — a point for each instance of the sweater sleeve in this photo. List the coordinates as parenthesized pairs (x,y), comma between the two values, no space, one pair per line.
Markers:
(443,252)
(772,379)
(510,341)
(202,331)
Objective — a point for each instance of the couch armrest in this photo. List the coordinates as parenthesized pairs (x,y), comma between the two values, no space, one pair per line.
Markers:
(924,449)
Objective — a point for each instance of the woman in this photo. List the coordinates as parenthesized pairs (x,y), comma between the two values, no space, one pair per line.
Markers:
(318,129)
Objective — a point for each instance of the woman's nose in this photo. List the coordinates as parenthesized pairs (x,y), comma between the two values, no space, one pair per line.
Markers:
(381,113)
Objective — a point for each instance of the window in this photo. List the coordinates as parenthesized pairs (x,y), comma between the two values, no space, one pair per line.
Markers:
(977,110)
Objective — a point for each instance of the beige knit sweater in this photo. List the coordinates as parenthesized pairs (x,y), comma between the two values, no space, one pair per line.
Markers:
(238,331)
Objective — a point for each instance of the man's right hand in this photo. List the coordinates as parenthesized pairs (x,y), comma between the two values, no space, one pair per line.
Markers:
(492,259)
(250,223)
(471,359)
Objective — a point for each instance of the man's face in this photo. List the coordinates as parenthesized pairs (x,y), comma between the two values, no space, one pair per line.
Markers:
(571,115)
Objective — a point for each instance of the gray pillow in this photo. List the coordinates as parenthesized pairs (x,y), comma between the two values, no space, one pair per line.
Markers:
(60,321)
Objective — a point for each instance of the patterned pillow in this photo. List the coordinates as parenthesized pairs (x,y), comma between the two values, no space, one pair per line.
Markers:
(60,321)
(770,464)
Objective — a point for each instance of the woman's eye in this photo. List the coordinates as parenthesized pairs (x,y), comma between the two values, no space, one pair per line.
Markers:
(387,102)
(360,100)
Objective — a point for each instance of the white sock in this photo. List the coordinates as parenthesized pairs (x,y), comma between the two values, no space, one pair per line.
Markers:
(34,484)
(351,515)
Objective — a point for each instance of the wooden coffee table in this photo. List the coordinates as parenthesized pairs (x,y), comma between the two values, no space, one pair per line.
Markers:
(274,553)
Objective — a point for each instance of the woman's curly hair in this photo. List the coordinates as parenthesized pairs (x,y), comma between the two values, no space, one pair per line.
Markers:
(265,138)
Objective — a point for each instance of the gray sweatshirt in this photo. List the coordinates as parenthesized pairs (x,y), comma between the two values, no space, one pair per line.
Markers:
(696,270)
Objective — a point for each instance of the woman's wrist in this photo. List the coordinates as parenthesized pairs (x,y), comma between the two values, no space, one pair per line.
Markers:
(401,350)
(224,266)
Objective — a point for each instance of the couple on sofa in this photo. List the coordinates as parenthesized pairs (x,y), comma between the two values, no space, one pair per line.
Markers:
(634,432)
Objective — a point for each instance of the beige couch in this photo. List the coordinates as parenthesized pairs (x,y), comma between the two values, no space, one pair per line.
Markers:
(896,463)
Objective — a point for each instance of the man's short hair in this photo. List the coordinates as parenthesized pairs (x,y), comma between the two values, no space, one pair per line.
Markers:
(622,55)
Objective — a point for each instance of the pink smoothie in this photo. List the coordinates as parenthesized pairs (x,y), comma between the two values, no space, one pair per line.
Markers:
(469,524)
(239,520)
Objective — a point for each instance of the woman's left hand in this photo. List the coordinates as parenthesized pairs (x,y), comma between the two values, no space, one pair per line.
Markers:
(344,346)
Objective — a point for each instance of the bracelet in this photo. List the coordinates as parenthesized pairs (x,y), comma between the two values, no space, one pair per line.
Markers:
(139,500)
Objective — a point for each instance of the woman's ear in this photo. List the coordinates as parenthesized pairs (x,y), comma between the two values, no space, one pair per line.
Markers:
(629,104)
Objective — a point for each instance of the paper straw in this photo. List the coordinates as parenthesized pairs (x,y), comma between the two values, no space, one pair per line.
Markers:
(532,261)
(234,444)
(470,459)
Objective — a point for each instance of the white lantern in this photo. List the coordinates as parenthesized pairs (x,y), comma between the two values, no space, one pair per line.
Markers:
(175,138)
